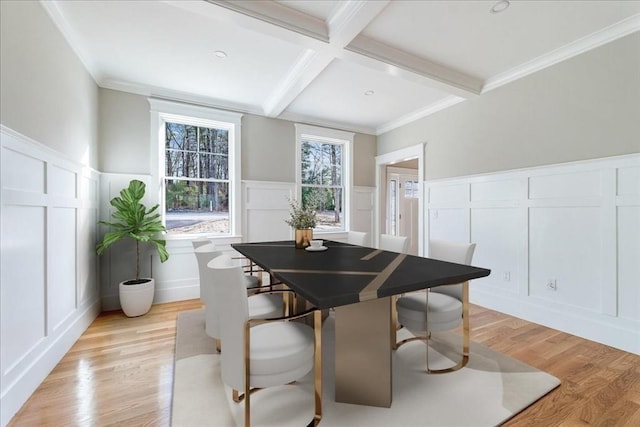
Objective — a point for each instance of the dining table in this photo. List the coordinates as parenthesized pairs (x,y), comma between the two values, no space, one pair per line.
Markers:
(361,284)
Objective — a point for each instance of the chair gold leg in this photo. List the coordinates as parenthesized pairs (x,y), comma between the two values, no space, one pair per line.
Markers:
(465,321)
(317,366)
(406,340)
(239,397)
(465,335)
(247,385)
(218,345)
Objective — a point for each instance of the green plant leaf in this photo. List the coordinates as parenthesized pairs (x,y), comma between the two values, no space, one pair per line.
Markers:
(131,219)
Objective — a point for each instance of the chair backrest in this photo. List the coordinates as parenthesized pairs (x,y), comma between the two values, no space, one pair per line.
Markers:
(394,243)
(359,238)
(458,252)
(200,241)
(204,254)
(233,314)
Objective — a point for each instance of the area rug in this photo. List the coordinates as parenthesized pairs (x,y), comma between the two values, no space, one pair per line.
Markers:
(491,389)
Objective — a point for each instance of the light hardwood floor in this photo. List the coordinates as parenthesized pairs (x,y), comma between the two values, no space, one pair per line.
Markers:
(120,373)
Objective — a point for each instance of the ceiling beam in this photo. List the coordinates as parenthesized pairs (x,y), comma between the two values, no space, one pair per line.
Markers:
(307,67)
(323,42)
(345,24)
(379,56)
(351,19)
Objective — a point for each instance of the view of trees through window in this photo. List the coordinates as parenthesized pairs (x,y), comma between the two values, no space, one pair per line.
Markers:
(196,181)
(322,182)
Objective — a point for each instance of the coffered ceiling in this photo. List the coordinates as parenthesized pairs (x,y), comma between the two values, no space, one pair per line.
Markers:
(366,66)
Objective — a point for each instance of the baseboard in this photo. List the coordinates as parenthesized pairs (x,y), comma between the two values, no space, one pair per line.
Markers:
(18,392)
(596,327)
(177,293)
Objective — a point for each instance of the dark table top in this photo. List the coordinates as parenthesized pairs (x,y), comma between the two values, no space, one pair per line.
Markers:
(346,274)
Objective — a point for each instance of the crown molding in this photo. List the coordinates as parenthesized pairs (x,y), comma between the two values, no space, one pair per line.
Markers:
(280,15)
(53,10)
(172,95)
(169,95)
(350,127)
(585,44)
(418,114)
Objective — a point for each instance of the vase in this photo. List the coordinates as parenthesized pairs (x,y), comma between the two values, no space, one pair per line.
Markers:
(136,296)
(303,237)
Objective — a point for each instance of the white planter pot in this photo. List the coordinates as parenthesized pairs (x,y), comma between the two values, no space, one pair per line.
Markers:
(136,299)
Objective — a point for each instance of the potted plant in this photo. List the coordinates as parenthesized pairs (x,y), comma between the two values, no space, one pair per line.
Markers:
(131,219)
(303,220)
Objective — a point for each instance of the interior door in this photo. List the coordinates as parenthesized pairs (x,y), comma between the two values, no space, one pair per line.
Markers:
(402,205)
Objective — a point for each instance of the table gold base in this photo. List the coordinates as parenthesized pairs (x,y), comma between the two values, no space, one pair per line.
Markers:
(363,353)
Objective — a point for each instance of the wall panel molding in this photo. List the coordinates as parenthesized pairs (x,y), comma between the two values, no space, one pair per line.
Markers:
(49,282)
(559,239)
(363,201)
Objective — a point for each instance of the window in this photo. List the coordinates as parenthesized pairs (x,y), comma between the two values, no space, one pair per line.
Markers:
(196,181)
(393,207)
(411,189)
(323,174)
(198,168)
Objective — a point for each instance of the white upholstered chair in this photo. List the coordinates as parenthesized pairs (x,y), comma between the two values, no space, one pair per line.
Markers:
(359,238)
(263,353)
(394,243)
(200,241)
(441,308)
(250,269)
(260,306)
(205,252)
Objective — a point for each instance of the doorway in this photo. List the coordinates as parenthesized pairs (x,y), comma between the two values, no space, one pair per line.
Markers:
(402,202)
(399,201)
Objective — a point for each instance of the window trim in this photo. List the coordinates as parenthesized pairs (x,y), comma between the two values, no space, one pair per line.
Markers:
(334,136)
(163,110)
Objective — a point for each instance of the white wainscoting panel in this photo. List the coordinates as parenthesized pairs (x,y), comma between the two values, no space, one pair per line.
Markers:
(562,241)
(629,263)
(449,194)
(496,232)
(48,288)
(266,206)
(61,266)
(448,224)
(363,209)
(23,284)
(499,190)
(565,246)
(565,185)
(629,181)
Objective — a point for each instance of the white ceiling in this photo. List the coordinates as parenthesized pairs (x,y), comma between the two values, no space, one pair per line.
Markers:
(313,61)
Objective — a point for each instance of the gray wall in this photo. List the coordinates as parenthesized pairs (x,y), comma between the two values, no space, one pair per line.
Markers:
(586,107)
(46,93)
(124,133)
(268,145)
(49,221)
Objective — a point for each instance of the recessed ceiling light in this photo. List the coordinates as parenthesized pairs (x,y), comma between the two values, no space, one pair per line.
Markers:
(369,93)
(500,6)
(220,53)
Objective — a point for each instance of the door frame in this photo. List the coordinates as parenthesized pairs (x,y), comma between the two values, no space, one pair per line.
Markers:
(384,160)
